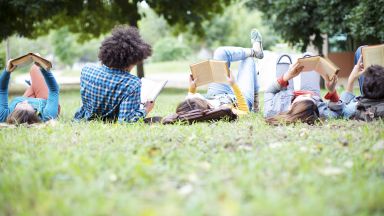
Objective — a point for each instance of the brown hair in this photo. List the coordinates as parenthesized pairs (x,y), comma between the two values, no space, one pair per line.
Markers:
(23,116)
(192,104)
(303,111)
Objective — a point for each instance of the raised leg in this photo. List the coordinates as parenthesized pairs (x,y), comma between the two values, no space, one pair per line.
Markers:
(38,88)
(228,54)
(361,78)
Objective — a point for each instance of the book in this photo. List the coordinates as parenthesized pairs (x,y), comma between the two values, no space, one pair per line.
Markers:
(29,58)
(150,89)
(209,71)
(323,66)
(373,55)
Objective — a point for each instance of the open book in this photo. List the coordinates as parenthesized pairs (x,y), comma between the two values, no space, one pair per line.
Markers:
(373,55)
(210,71)
(319,64)
(29,58)
(150,89)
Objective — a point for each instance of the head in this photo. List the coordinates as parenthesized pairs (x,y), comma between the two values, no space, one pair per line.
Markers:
(124,48)
(192,104)
(302,110)
(373,85)
(23,113)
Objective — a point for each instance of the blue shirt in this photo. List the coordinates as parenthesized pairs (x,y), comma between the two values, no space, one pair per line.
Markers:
(109,95)
(45,108)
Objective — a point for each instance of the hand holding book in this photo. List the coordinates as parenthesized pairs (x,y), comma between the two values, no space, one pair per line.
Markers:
(10,67)
(294,70)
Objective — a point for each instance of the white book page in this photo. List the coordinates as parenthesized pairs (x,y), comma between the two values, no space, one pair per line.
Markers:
(150,89)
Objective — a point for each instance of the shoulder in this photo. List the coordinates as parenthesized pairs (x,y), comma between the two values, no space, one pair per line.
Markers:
(91,67)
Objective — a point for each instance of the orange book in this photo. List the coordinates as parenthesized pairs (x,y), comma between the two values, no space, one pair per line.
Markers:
(323,66)
(210,71)
(29,58)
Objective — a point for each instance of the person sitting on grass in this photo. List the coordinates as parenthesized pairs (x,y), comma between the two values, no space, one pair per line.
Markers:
(283,105)
(39,103)
(371,86)
(242,94)
(109,92)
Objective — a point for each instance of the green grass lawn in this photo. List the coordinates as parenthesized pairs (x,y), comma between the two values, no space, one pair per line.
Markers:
(241,168)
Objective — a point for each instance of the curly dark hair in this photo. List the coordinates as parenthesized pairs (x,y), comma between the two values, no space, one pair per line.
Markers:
(373,85)
(124,48)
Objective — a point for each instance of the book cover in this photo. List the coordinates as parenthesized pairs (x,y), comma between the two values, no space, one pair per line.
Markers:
(323,66)
(29,58)
(373,55)
(209,71)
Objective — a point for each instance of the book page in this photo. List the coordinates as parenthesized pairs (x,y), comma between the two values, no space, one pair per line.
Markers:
(202,73)
(373,55)
(220,71)
(150,89)
(327,69)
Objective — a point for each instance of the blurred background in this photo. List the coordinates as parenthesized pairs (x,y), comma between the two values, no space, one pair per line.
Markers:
(69,32)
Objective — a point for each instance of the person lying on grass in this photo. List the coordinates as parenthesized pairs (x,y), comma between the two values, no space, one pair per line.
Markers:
(283,105)
(39,103)
(109,91)
(372,86)
(242,94)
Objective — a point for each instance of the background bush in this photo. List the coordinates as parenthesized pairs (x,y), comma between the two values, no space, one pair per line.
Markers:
(169,49)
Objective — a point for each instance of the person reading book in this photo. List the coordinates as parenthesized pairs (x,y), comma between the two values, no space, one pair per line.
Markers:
(375,56)
(39,103)
(239,92)
(109,91)
(371,86)
(285,105)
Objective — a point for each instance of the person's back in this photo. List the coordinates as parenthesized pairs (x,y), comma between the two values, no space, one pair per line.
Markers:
(108,91)
(103,90)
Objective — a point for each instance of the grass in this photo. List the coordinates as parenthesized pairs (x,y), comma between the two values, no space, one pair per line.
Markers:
(241,168)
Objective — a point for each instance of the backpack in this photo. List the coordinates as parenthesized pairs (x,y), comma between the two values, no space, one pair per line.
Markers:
(221,113)
(369,109)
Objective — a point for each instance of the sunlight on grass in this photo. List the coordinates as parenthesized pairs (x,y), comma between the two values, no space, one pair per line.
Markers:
(221,168)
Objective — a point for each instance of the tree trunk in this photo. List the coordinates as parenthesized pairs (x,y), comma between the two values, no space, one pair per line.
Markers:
(140,65)
(7,51)
(140,69)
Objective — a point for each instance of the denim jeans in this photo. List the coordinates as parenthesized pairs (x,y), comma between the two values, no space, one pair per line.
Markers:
(246,78)
(361,78)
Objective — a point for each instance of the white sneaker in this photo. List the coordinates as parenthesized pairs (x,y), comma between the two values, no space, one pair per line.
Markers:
(257,44)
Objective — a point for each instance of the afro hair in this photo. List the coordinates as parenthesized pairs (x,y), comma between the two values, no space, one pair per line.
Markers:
(124,48)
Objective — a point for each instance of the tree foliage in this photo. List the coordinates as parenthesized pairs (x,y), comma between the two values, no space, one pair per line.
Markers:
(297,21)
(92,18)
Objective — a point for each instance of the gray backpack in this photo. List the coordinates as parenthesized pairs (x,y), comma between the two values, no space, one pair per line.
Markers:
(369,109)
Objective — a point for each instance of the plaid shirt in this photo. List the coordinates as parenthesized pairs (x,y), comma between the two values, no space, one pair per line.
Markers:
(109,94)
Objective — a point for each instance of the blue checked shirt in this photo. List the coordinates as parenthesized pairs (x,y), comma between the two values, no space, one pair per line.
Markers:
(109,95)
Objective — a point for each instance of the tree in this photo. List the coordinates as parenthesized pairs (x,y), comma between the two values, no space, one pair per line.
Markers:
(92,18)
(297,21)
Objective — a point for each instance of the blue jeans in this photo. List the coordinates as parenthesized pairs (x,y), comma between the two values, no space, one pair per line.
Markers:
(246,78)
(361,78)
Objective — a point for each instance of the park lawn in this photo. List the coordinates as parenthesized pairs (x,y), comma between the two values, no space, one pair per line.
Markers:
(241,168)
